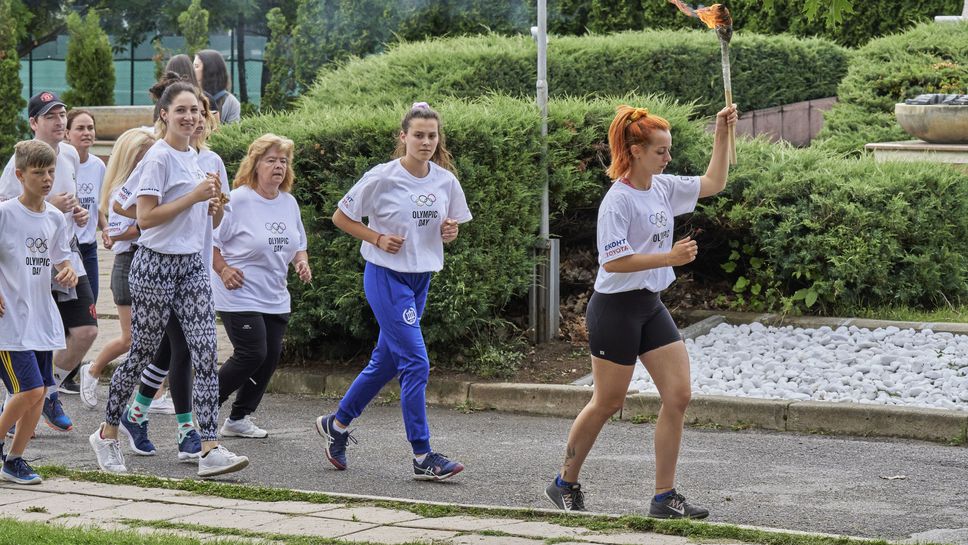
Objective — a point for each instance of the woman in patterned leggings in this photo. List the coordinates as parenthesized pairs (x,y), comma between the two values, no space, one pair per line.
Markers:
(167,275)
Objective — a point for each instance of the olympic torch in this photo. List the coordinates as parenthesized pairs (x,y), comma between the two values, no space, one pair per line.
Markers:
(717,17)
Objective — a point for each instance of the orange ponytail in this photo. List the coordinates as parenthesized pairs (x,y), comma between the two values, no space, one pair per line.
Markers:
(631,126)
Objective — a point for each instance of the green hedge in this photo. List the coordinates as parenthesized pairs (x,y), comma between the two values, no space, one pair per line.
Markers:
(867,21)
(931,58)
(766,70)
(809,229)
(496,144)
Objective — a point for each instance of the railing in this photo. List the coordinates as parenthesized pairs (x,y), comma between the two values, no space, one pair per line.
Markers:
(796,123)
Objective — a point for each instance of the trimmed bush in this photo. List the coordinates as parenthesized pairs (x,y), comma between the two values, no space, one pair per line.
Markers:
(496,144)
(808,229)
(12,126)
(931,58)
(766,70)
(89,62)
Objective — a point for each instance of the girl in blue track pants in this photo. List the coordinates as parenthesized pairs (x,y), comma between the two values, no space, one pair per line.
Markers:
(414,205)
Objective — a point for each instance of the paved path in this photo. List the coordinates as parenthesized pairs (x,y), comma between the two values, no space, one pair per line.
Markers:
(114,507)
(781,480)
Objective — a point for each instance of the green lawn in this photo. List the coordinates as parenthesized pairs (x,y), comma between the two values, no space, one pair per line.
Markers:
(14,532)
(904,314)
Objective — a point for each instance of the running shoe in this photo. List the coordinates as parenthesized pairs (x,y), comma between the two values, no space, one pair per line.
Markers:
(108,452)
(568,498)
(674,506)
(137,435)
(19,471)
(436,467)
(244,427)
(335,441)
(54,414)
(88,386)
(190,448)
(219,461)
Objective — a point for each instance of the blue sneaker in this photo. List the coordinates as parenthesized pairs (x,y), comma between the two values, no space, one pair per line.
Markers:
(54,414)
(190,447)
(335,441)
(436,467)
(18,471)
(137,436)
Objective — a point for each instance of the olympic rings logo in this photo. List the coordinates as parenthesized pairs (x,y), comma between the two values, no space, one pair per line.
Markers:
(276,228)
(659,219)
(424,200)
(36,245)
(85,188)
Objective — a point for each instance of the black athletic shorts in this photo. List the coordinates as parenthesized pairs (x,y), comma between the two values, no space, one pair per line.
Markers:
(78,312)
(623,325)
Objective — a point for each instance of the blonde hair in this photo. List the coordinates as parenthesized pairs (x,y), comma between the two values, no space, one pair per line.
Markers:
(257,150)
(122,162)
(631,126)
(211,124)
(33,154)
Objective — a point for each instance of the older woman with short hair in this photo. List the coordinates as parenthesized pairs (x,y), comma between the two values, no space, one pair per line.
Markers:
(260,236)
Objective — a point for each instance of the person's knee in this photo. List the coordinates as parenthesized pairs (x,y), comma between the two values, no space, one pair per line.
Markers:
(34,396)
(677,400)
(606,407)
(83,335)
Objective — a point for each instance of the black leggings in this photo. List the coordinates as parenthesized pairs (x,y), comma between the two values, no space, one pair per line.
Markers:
(257,342)
(174,361)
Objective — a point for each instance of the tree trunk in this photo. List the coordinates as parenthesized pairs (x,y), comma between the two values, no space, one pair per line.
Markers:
(240,56)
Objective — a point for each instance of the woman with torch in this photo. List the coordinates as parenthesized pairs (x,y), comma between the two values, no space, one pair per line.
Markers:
(626,318)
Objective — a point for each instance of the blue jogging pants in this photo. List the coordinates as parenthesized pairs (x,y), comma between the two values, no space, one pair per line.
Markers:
(398,301)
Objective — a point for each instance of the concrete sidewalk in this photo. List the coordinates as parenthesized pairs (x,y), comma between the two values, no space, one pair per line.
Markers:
(122,507)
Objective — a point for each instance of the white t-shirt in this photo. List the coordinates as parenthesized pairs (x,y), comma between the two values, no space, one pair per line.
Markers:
(168,174)
(261,237)
(118,224)
(209,161)
(396,202)
(65,181)
(632,221)
(32,243)
(89,179)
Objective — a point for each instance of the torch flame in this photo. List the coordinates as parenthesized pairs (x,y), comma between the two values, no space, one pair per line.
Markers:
(714,16)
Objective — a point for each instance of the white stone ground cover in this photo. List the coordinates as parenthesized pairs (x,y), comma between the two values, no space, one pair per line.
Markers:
(889,366)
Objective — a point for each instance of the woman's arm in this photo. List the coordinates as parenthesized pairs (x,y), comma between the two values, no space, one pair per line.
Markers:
(152,214)
(714,180)
(683,251)
(356,229)
(130,213)
(130,233)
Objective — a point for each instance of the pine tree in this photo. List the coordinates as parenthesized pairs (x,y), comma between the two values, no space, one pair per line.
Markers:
(193,24)
(90,62)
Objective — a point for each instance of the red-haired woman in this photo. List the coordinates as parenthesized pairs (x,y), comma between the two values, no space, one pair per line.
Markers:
(625,316)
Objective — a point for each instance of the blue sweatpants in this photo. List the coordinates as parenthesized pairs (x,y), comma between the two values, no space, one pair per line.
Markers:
(398,301)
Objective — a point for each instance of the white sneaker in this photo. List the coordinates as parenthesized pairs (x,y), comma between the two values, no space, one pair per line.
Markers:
(88,385)
(108,451)
(162,405)
(242,428)
(219,461)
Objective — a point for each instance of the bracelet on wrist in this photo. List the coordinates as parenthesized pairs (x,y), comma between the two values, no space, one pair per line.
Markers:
(377,243)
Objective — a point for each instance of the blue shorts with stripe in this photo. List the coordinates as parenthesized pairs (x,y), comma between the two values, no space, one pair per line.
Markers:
(24,371)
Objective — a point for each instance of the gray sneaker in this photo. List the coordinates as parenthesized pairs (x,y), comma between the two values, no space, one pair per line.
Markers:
(219,461)
(568,498)
(242,428)
(88,386)
(108,452)
(675,506)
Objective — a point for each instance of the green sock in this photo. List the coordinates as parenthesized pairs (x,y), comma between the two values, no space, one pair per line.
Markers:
(138,411)
(185,425)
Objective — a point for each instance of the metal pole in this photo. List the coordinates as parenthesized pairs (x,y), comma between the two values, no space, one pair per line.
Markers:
(30,68)
(542,90)
(132,71)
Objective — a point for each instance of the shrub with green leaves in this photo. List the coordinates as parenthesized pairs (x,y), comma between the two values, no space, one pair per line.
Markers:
(11,103)
(89,62)
(931,58)
(810,230)
(766,70)
(496,144)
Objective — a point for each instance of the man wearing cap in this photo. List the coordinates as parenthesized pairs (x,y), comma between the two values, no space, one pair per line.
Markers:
(48,121)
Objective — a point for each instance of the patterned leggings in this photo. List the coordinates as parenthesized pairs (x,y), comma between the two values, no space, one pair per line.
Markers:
(162,284)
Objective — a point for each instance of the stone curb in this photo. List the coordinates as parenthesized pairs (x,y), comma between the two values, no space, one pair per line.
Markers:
(818,321)
(566,400)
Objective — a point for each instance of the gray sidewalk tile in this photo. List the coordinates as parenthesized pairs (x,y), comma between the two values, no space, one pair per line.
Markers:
(389,535)
(147,510)
(290,507)
(457,523)
(63,504)
(494,540)
(231,518)
(14,494)
(376,515)
(636,539)
(312,526)
(541,529)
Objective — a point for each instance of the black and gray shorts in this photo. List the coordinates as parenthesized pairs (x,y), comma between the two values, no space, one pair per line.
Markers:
(623,325)
(119,278)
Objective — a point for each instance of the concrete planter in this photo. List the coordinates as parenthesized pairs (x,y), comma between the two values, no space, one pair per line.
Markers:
(112,121)
(937,123)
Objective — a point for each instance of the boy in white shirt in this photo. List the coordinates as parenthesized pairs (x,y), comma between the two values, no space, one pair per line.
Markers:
(35,240)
